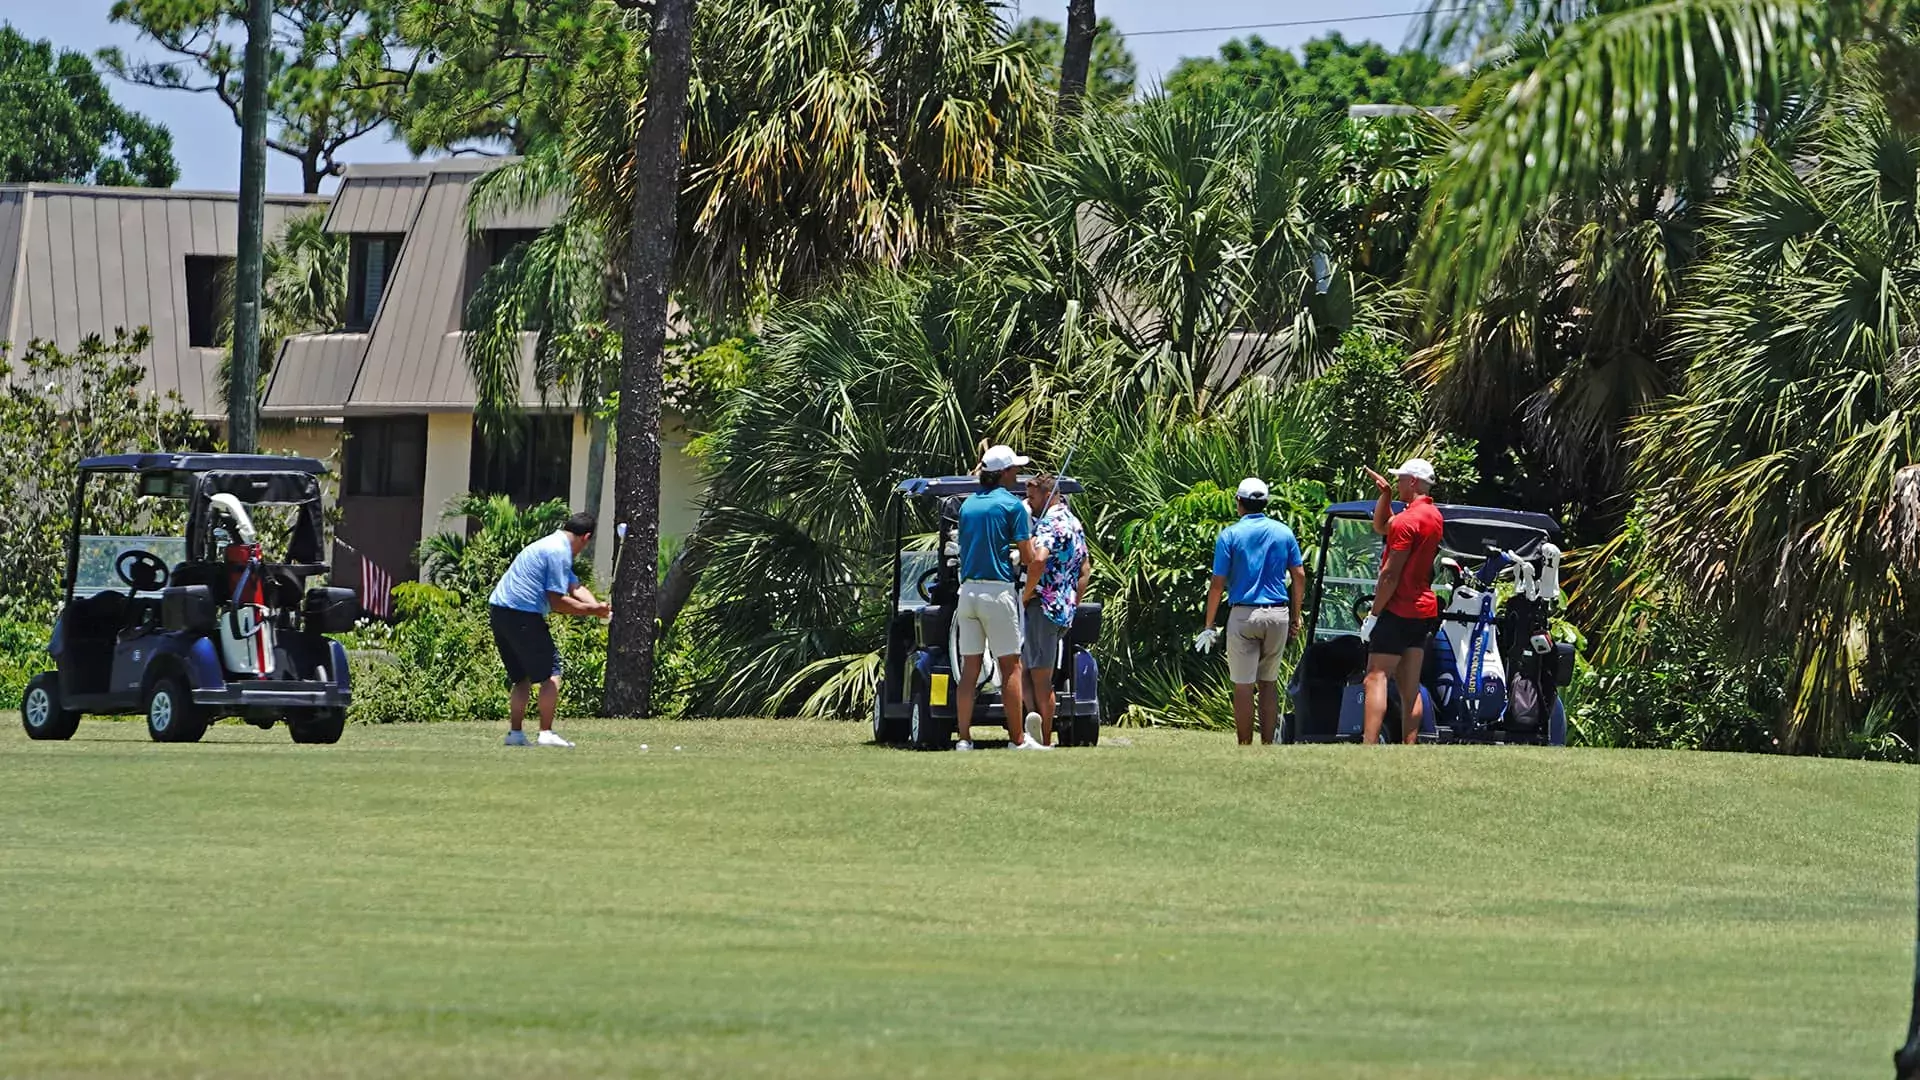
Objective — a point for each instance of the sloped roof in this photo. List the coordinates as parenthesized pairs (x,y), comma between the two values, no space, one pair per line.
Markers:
(411,359)
(76,261)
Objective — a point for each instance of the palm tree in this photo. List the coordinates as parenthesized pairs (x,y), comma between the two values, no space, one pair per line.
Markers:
(843,133)
(1076,55)
(1764,481)
(1205,231)
(649,271)
(1573,92)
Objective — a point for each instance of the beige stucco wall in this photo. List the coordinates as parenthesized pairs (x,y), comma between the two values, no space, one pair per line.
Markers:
(680,490)
(449,467)
(450,456)
(315,439)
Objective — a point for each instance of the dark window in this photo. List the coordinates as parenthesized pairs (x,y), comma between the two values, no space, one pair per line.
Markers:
(209,283)
(370,262)
(387,456)
(497,246)
(531,464)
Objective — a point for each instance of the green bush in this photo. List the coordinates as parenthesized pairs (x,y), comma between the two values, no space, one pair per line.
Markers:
(438,662)
(23,654)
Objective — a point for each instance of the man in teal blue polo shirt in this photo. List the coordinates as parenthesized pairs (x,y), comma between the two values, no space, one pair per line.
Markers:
(993,523)
(1253,560)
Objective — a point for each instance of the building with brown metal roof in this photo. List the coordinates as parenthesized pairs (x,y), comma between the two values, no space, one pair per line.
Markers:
(395,374)
(77,261)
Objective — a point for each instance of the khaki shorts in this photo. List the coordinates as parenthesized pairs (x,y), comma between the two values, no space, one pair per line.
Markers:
(1256,636)
(988,619)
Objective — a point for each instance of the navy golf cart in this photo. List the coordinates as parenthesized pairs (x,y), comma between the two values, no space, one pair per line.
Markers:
(192,621)
(1493,671)
(915,702)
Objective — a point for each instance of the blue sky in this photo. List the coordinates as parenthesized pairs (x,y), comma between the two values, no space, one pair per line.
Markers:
(206,142)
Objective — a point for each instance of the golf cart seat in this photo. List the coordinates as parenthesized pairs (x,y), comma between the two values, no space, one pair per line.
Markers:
(1326,670)
(1086,624)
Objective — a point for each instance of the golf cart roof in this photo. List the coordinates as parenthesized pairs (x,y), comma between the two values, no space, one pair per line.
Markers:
(943,486)
(1471,531)
(1450,513)
(252,463)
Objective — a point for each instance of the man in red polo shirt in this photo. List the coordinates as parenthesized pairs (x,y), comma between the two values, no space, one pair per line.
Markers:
(1405,611)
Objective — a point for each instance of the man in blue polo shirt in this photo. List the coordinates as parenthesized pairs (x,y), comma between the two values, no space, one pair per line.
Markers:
(994,522)
(1253,560)
(540,579)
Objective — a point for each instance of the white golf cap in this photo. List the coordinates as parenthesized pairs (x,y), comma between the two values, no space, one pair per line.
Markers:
(1419,468)
(1002,458)
(1252,489)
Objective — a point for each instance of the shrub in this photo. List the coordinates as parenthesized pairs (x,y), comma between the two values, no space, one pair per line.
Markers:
(23,654)
(438,662)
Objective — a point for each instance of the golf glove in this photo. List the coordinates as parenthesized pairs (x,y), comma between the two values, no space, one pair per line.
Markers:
(1366,628)
(1203,641)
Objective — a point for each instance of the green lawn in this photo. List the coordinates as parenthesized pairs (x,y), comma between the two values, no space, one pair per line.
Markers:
(778,899)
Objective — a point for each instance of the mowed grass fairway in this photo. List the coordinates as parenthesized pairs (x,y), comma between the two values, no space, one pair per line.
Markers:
(780,899)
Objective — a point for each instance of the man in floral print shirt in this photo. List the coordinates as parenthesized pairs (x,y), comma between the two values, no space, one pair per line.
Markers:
(1055,580)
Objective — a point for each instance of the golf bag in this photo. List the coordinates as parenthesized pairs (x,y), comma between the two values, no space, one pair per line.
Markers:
(1470,685)
(246,632)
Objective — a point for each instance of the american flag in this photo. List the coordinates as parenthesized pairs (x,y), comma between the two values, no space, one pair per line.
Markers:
(375,584)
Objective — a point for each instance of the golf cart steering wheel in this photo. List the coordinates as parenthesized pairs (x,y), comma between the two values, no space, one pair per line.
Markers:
(143,571)
(926,583)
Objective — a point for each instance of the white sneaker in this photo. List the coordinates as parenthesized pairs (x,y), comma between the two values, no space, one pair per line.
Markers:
(516,738)
(548,738)
(1031,743)
(963,744)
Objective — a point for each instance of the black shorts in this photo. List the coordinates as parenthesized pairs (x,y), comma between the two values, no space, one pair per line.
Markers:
(1395,634)
(525,643)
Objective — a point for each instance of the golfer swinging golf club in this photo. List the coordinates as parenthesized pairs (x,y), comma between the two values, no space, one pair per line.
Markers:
(1253,561)
(1405,610)
(540,579)
(993,522)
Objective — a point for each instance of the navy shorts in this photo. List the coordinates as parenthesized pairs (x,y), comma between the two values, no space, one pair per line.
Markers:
(1395,634)
(525,643)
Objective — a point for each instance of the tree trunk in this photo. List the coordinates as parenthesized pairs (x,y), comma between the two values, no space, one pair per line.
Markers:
(1076,56)
(656,158)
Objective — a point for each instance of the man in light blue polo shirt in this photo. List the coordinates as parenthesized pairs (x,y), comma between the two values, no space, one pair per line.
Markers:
(1254,560)
(540,579)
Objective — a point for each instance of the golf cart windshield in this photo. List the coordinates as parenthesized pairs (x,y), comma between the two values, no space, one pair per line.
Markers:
(1352,553)
(143,516)
(1352,567)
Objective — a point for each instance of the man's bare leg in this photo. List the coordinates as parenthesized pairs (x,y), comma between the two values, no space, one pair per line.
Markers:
(549,702)
(1380,668)
(1408,678)
(1269,711)
(1243,712)
(1041,682)
(517,705)
(963,695)
(1010,697)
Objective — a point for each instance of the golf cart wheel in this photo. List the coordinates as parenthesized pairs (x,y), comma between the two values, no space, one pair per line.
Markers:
(1086,729)
(887,732)
(321,727)
(924,730)
(40,710)
(172,717)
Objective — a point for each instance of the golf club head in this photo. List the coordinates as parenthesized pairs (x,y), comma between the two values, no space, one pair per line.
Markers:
(620,530)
